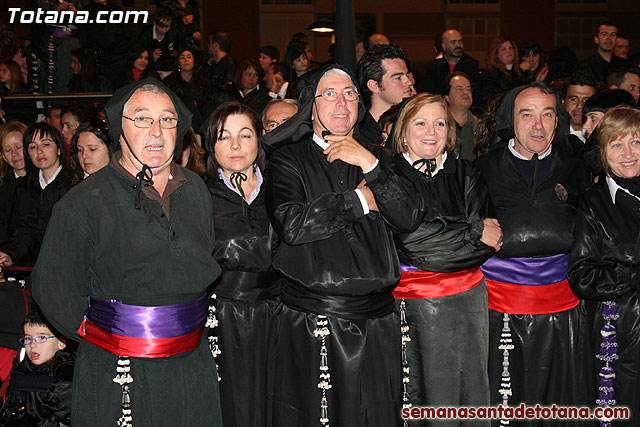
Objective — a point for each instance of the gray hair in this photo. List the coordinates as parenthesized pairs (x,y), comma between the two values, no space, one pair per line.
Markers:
(274,102)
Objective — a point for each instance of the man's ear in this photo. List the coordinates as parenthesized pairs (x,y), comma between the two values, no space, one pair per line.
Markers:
(373,86)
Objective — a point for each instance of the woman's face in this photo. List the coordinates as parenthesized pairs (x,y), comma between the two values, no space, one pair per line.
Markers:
(5,74)
(185,61)
(532,60)
(506,53)
(69,126)
(301,64)
(93,154)
(237,148)
(249,78)
(12,150)
(623,156)
(141,61)
(44,153)
(75,65)
(427,133)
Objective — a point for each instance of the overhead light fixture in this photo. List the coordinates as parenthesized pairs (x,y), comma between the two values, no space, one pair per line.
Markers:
(322,26)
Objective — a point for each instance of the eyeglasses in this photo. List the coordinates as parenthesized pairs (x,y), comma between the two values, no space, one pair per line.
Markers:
(147,122)
(331,95)
(40,339)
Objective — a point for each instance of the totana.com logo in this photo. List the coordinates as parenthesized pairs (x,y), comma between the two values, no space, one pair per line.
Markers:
(69,17)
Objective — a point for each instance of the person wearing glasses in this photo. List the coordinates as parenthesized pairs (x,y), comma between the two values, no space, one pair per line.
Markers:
(333,200)
(124,269)
(40,389)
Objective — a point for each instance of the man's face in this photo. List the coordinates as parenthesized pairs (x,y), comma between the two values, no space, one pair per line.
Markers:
(154,146)
(621,48)
(606,37)
(534,121)
(395,84)
(54,119)
(272,80)
(276,114)
(265,61)
(163,26)
(573,102)
(631,84)
(452,43)
(460,95)
(339,116)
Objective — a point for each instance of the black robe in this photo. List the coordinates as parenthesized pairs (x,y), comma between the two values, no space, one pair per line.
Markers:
(342,264)
(604,265)
(248,299)
(535,204)
(448,351)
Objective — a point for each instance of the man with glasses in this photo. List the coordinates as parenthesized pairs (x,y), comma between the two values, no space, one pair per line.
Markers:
(333,201)
(124,270)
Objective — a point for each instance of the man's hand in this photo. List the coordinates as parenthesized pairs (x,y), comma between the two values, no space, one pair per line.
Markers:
(157,53)
(348,150)
(492,233)
(368,195)
(5,260)
(542,74)
(187,19)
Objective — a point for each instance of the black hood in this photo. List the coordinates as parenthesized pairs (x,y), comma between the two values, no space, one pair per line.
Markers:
(300,127)
(391,139)
(115,107)
(504,121)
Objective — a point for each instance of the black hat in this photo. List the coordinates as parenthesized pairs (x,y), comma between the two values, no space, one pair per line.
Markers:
(604,100)
(300,126)
(115,110)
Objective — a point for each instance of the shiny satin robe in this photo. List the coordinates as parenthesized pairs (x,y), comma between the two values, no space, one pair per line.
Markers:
(340,264)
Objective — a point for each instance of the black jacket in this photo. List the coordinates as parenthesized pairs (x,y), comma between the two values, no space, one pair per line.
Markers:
(456,201)
(7,192)
(432,80)
(40,395)
(536,214)
(244,239)
(255,99)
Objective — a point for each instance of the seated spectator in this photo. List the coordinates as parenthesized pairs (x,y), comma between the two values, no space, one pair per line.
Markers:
(91,146)
(137,67)
(192,88)
(246,88)
(11,83)
(185,17)
(268,55)
(276,112)
(503,73)
(71,117)
(13,168)
(532,63)
(40,390)
(627,78)
(86,75)
(162,41)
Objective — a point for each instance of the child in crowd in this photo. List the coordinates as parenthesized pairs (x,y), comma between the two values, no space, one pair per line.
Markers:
(40,390)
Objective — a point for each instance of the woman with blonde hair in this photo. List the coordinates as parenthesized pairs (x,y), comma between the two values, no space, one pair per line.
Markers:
(442,295)
(503,72)
(604,267)
(13,167)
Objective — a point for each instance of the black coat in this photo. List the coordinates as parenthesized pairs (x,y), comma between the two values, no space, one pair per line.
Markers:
(7,192)
(40,395)
(605,265)
(256,99)
(456,201)
(432,79)
(536,219)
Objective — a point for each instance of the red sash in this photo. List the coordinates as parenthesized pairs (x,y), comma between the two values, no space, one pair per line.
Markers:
(426,284)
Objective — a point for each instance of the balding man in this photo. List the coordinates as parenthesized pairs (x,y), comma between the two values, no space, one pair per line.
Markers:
(378,38)
(453,59)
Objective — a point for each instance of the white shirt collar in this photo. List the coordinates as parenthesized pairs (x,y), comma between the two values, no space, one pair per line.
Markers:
(43,183)
(614,187)
(254,193)
(438,167)
(512,145)
(578,133)
(321,142)
(282,93)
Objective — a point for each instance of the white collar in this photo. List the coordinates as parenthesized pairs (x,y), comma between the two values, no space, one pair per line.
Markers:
(251,90)
(321,142)
(282,93)
(438,167)
(254,193)
(43,183)
(512,145)
(578,133)
(614,187)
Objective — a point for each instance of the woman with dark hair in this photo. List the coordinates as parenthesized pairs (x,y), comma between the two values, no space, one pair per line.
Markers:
(90,146)
(190,86)
(248,291)
(504,71)
(246,88)
(604,268)
(193,155)
(442,294)
(11,83)
(31,203)
(137,66)
(13,168)
(298,63)
(532,63)
(86,74)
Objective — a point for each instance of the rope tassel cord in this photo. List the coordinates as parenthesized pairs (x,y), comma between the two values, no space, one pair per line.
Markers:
(322,331)
(608,353)
(506,344)
(404,330)
(124,378)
